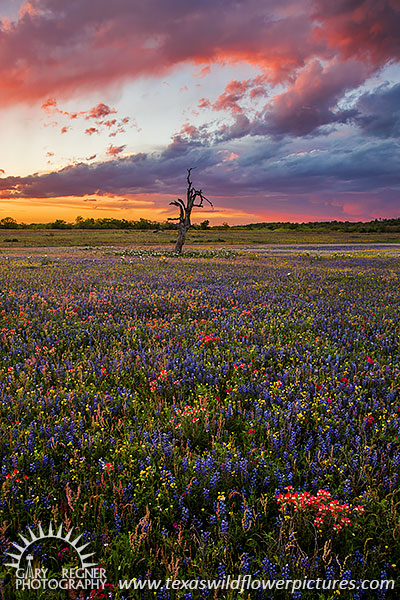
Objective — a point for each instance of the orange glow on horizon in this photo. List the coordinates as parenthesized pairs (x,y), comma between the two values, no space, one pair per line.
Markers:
(154,207)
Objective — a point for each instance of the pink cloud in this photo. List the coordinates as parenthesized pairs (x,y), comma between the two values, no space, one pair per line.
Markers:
(203,72)
(114,150)
(189,130)
(49,105)
(27,8)
(110,123)
(354,209)
(235,92)
(97,113)
(204,103)
(59,48)
(100,111)
(229,100)
(366,29)
(311,101)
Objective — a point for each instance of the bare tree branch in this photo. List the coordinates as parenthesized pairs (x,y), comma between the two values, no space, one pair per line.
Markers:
(185,210)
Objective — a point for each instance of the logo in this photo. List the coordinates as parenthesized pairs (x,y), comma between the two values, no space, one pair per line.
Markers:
(88,575)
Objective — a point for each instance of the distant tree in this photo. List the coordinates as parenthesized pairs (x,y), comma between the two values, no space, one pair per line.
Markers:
(194,198)
(145,224)
(8,223)
(205,224)
(59,224)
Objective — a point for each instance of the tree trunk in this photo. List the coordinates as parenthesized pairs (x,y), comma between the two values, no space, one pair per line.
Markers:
(185,210)
(182,230)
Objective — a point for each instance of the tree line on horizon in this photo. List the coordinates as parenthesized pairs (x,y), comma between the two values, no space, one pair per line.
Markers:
(375,226)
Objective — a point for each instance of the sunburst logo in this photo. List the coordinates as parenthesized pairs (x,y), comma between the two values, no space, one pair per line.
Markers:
(86,575)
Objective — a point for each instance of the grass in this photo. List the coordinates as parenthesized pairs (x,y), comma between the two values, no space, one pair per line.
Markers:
(54,238)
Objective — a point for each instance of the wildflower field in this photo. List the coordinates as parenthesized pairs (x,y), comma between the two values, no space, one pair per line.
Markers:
(200,417)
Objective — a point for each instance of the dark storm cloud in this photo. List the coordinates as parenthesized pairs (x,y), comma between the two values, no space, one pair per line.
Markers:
(378,112)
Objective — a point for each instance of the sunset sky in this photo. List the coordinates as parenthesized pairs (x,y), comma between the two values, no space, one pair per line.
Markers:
(287,109)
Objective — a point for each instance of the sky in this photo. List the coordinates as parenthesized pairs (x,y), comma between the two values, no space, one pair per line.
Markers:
(287,110)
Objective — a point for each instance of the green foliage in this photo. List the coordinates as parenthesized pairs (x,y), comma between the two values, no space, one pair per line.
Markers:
(375,226)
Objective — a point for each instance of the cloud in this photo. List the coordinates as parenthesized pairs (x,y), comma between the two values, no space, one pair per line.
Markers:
(241,127)
(378,112)
(61,47)
(301,127)
(312,100)
(203,72)
(98,114)
(49,105)
(363,29)
(139,173)
(349,166)
(100,111)
(235,93)
(114,150)
(91,130)
(230,99)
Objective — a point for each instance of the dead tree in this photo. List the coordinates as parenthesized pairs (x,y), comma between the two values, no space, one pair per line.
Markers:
(194,198)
